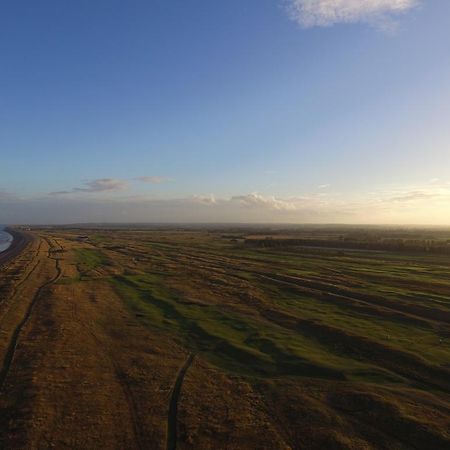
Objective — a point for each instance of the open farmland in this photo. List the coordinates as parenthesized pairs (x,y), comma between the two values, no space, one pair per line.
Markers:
(213,339)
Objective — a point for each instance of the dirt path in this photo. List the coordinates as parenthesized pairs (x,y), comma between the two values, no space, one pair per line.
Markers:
(9,355)
(172,435)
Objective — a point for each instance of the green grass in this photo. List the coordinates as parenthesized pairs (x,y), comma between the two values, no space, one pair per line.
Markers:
(233,320)
(236,342)
(388,330)
(89,259)
(345,343)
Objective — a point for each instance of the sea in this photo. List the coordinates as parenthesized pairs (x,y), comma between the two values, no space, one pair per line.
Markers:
(5,239)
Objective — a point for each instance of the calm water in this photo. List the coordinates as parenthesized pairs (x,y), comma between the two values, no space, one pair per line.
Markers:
(5,239)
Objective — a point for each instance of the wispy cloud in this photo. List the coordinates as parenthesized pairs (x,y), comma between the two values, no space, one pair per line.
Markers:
(421,203)
(414,196)
(312,13)
(209,199)
(95,186)
(417,201)
(257,200)
(323,186)
(152,179)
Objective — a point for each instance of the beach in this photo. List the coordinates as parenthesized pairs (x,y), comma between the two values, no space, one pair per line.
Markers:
(12,242)
(5,240)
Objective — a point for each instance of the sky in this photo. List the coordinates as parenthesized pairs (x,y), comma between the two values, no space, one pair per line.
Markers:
(273,111)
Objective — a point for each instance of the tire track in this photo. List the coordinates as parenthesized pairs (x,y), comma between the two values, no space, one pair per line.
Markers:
(120,377)
(15,289)
(12,347)
(27,262)
(172,417)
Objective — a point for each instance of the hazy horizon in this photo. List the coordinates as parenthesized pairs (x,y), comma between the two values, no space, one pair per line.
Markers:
(263,111)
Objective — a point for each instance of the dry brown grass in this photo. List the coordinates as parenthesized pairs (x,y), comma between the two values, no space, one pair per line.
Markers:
(281,360)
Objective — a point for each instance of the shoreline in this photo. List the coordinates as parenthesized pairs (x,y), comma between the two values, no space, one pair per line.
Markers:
(5,244)
(19,242)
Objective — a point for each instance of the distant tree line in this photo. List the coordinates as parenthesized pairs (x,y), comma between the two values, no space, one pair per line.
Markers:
(347,242)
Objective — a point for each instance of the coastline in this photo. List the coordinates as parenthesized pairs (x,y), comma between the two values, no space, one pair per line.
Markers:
(19,242)
(5,240)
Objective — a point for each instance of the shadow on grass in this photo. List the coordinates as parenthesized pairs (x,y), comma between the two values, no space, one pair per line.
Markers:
(230,341)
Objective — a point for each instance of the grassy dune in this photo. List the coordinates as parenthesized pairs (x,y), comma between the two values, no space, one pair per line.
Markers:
(267,312)
(322,347)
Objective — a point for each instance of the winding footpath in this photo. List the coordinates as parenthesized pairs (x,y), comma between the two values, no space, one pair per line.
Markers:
(172,418)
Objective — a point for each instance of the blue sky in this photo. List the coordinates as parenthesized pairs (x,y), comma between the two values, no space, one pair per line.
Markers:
(248,111)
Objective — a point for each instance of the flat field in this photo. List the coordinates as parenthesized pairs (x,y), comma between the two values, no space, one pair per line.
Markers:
(226,339)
